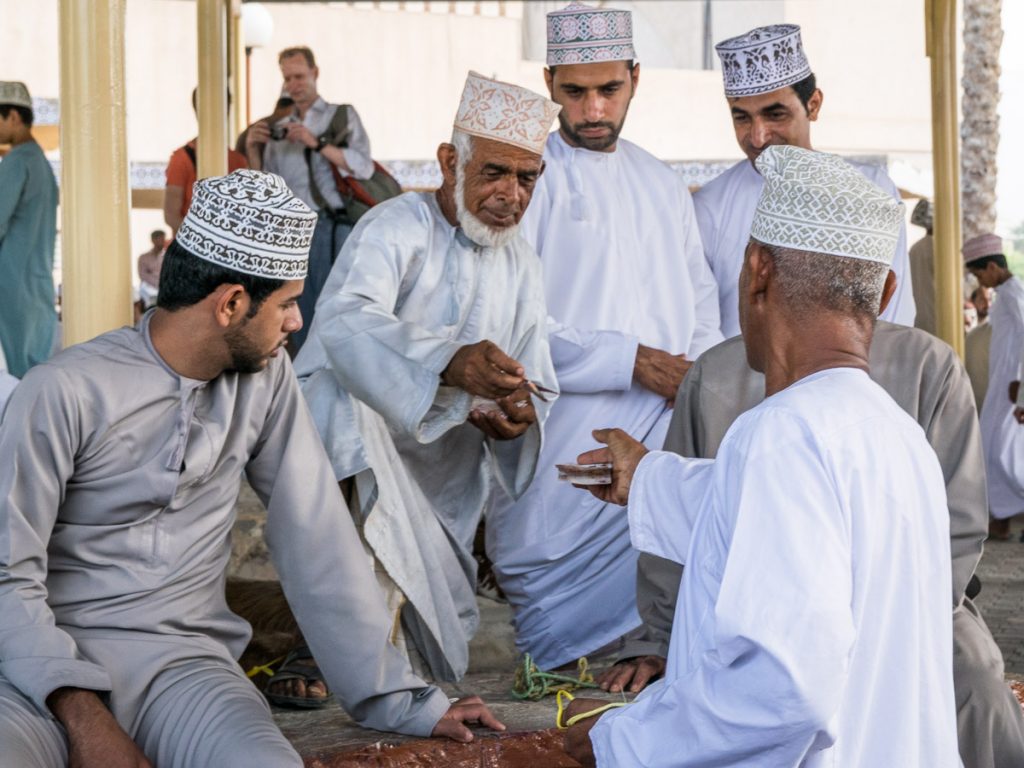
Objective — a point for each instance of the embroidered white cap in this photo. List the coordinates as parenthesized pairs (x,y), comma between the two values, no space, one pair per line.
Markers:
(249,222)
(504,112)
(14,94)
(764,59)
(817,202)
(981,246)
(580,34)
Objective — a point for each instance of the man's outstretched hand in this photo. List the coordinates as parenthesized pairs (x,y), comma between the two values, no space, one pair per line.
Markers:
(624,453)
(632,675)
(468,710)
(483,369)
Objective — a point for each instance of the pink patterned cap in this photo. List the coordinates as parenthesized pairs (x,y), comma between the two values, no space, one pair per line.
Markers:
(579,34)
(981,246)
(504,112)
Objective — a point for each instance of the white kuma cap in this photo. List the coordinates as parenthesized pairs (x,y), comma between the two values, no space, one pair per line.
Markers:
(817,202)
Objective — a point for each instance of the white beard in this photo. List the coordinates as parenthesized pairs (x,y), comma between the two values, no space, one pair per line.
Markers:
(475,229)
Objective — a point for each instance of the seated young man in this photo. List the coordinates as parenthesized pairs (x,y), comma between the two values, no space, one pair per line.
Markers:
(120,462)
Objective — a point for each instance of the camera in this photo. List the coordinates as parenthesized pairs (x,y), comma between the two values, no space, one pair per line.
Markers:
(280,129)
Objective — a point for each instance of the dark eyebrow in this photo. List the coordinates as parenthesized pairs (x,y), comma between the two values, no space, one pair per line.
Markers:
(778,105)
(609,84)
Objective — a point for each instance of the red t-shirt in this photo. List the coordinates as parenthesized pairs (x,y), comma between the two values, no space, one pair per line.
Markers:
(181,172)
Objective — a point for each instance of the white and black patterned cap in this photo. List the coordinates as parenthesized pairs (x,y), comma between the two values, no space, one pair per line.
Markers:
(817,202)
(763,60)
(14,94)
(250,222)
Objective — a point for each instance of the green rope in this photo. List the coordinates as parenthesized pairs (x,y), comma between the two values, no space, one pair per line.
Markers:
(534,684)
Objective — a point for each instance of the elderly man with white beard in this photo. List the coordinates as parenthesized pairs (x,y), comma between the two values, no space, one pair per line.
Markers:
(424,359)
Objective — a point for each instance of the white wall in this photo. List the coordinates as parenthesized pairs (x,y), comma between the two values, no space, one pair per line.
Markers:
(404,72)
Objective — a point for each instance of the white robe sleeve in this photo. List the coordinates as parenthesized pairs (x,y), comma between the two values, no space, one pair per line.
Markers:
(592,361)
(767,691)
(1018,333)
(392,365)
(708,329)
(901,309)
(318,554)
(515,461)
(41,433)
(586,361)
(666,494)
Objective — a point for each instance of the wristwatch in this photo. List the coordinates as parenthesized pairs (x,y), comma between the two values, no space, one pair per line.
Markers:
(321,143)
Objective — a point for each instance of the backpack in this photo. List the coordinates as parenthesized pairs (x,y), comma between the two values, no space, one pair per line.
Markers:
(360,195)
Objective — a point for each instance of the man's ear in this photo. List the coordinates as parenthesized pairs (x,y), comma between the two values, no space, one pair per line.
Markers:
(447,158)
(230,304)
(635,76)
(888,290)
(814,104)
(761,267)
(549,80)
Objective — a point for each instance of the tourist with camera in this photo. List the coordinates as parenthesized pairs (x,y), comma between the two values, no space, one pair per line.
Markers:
(308,148)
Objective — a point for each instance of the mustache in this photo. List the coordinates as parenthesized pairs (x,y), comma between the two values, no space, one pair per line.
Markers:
(600,124)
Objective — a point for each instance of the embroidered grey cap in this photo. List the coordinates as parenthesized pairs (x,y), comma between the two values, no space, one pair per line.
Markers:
(923,214)
(817,202)
(250,222)
(764,59)
(580,34)
(14,94)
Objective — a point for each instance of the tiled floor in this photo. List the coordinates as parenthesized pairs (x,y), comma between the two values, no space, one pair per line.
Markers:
(1002,596)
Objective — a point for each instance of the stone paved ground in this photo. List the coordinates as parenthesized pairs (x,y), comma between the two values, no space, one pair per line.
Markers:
(328,732)
(493,658)
(1002,596)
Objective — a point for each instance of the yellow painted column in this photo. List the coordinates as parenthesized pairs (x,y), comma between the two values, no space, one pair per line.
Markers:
(236,52)
(941,36)
(211,100)
(95,192)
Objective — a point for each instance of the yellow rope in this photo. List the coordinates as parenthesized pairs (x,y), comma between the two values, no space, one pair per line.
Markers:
(264,668)
(564,696)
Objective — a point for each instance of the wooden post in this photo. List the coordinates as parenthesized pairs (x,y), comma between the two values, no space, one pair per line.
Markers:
(239,72)
(211,101)
(941,39)
(95,194)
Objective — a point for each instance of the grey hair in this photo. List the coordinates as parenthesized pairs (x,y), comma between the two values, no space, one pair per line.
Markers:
(463,143)
(844,284)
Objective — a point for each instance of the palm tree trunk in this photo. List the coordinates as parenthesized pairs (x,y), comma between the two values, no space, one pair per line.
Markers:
(979,132)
